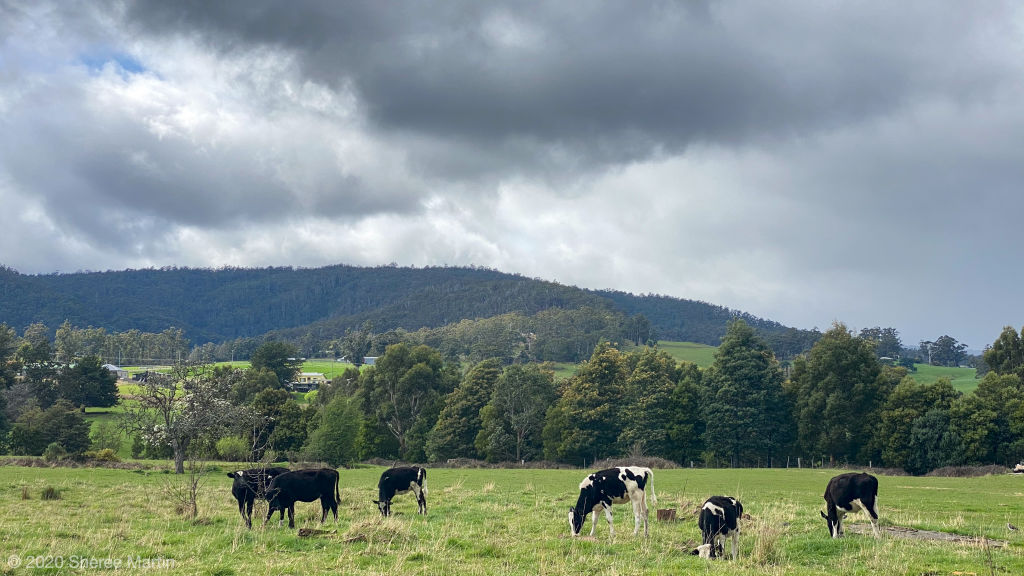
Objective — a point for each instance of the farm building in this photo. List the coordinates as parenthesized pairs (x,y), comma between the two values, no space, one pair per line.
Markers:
(121,373)
(308,381)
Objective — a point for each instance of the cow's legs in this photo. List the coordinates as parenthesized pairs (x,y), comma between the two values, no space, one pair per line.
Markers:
(248,512)
(593,523)
(640,513)
(241,510)
(329,503)
(291,516)
(872,509)
(734,545)
(421,498)
(610,518)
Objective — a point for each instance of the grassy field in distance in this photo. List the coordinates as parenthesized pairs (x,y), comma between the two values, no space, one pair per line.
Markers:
(506,522)
(963,378)
(700,354)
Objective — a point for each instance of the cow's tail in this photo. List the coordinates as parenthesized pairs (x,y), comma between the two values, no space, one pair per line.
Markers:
(421,479)
(654,497)
(337,495)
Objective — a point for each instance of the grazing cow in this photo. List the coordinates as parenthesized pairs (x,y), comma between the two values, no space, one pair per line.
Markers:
(249,485)
(600,490)
(303,486)
(850,492)
(399,481)
(719,518)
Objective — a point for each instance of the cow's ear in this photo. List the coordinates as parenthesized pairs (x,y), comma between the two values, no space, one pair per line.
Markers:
(822,514)
(572,509)
(231,474)
(376,501)
(696,551)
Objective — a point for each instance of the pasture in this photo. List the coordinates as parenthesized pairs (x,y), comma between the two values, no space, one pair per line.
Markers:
(505,522)
(700,354)
(962,378)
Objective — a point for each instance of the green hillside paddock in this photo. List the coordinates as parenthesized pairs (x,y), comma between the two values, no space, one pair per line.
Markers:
(500,522)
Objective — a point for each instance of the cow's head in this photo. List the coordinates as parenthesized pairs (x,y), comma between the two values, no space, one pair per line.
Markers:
(832,519)
(704,551)
(384,506)
(576,517)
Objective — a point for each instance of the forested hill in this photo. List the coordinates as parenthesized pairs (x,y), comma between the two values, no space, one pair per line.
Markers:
(223,304)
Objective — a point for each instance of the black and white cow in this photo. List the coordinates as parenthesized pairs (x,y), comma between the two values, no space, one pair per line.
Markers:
(303,486)
(719,519)
(850,492)
(399,481)
(249,485)
(600,490)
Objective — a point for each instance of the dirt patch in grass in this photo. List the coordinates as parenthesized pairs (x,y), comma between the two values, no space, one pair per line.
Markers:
(915,534)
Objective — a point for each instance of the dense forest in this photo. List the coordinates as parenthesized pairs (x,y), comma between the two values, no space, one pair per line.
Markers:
(315,306)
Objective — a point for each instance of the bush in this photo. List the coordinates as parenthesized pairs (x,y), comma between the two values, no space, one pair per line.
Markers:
(233,449)
(104,455)
(51,493)
(61,423)
(54,452)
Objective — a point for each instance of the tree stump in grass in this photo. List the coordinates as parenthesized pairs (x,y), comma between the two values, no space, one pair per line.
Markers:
(666,515)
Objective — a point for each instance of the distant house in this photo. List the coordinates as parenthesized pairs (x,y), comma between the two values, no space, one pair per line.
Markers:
(369,360)
(121,373)
(307,381)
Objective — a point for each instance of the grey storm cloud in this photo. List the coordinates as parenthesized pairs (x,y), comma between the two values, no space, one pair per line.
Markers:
(803,161)
(612,81)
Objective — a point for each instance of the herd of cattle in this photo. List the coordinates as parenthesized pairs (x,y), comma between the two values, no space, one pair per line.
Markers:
(719,517)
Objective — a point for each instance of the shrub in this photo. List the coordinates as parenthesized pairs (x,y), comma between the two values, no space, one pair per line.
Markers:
(55,452)
(104,455)
(61,423)
(51,493)
(233,448)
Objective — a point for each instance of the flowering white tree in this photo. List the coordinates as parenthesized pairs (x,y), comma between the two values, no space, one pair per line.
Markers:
(182,408)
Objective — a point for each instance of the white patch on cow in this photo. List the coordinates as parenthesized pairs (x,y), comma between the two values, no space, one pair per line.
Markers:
(240,473)
(587,482)
(704,550)
(716,510)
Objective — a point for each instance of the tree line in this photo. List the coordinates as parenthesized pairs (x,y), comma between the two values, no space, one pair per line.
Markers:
(839,402)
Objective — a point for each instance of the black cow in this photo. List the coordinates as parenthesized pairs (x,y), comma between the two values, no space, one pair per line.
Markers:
(850,492)
(303,486)
(399,481)
(249,485)
(600,490)
(719,518)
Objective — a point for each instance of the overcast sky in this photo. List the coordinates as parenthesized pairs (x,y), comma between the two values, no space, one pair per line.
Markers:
(802,161)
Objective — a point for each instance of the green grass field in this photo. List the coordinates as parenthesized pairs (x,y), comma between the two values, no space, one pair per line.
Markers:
(700,354)
(963,378)
(503,522)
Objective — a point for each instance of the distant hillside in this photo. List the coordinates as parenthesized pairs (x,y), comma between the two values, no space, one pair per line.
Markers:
(224,304)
